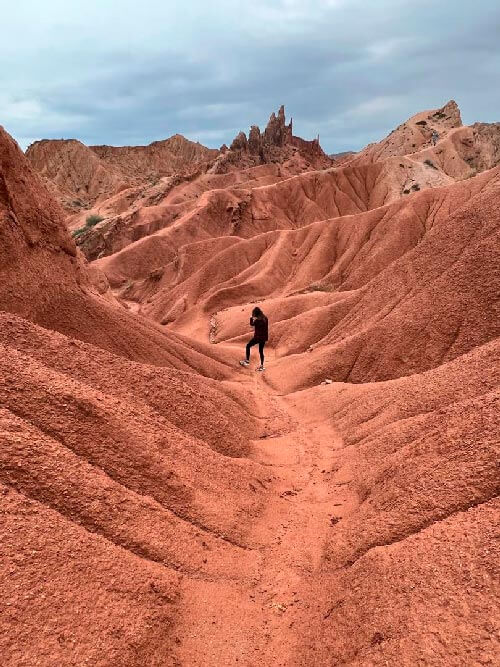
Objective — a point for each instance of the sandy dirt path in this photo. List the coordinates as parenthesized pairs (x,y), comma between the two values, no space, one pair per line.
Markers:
(260,620)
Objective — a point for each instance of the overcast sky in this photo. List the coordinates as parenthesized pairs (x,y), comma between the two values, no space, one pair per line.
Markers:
(131,72)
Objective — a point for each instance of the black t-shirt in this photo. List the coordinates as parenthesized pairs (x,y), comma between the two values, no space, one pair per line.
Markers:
(261,328)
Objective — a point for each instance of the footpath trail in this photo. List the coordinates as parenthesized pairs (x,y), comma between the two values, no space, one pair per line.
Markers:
(259,620)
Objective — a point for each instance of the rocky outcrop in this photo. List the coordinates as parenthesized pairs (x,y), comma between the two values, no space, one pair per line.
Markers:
(34,245)
(239,143)
(486,142)
(277,132)
(435,141)
(275,144)
(414,135)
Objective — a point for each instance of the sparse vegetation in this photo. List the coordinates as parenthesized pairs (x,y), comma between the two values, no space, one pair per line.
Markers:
(92,221)
(430,163)
(316,287)
(414,188)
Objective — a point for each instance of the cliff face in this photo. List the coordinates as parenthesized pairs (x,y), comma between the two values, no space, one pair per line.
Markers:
(37,256)
(486,145)
(161,158)
(73,172)
(79,175)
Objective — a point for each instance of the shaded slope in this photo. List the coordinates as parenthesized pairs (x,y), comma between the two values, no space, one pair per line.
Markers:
(91,579)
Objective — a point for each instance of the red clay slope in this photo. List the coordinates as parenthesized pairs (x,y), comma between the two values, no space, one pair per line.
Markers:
(45,279)
(116,478)
(74,173)
(434,303)
(410,573)
(159,273)
(322,264)
(376,545)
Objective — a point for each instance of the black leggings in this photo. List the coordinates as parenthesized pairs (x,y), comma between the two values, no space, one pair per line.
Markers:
(261,344)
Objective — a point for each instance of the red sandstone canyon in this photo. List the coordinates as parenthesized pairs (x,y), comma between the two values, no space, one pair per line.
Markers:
(163,506)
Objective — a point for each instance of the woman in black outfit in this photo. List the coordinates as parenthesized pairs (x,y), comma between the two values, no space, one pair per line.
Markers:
(260,324)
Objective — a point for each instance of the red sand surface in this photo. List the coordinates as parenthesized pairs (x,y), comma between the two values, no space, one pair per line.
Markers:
(163,506)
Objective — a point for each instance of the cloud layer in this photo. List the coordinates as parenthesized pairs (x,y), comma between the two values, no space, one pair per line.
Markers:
(130,73)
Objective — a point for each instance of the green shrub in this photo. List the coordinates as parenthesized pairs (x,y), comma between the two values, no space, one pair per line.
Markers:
(93,220)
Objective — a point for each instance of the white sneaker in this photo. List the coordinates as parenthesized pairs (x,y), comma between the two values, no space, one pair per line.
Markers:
(260,368)
(244,363)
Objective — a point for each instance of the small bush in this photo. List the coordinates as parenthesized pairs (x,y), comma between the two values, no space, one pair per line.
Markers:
(430,163)
(93,220)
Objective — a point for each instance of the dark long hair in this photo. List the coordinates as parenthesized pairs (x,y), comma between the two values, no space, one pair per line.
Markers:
(256,312)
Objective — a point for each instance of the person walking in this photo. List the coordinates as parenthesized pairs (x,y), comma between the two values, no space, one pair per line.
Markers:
(434,137)
(260,323)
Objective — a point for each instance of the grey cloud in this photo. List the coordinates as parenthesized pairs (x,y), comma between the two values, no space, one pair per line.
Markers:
(349,71)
